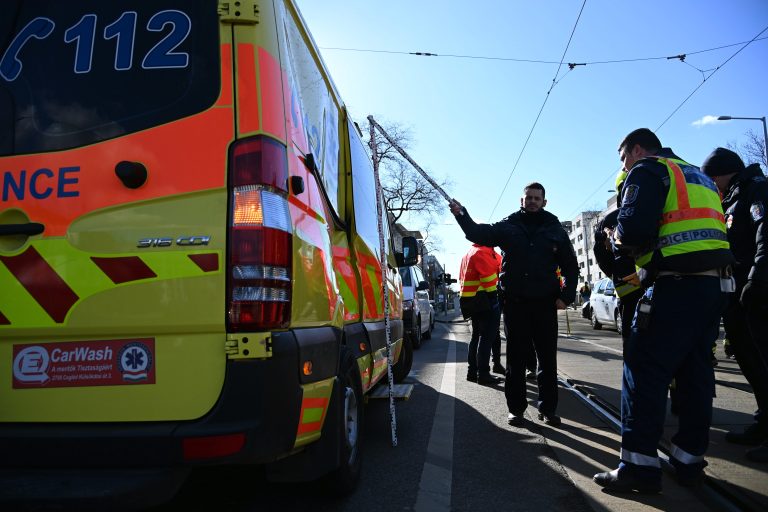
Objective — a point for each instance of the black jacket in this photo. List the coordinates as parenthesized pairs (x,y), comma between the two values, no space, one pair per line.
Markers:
(613,262)
(532,253)
(744,206)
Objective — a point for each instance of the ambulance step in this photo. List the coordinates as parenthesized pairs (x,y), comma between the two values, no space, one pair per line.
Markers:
(400,391)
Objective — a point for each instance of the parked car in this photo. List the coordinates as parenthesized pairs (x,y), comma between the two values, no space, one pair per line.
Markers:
(604,305)
(417,313)
(586,310)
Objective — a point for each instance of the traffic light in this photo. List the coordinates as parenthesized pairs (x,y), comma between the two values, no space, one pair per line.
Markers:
(447,279)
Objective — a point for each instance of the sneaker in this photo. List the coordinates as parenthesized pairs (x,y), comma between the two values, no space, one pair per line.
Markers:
(758,454)
(515,420)
(487,378)
(550,419)
(625,482)
(472,377)
(753,435)
(497,368)
(529,375)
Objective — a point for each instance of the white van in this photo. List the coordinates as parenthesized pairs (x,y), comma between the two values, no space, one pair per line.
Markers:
(418,315)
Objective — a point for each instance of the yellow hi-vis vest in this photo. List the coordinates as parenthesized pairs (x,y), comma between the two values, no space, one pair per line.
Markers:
(692,219)
(624,288)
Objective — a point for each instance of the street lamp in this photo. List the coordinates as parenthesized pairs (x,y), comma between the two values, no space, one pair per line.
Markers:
(765,130)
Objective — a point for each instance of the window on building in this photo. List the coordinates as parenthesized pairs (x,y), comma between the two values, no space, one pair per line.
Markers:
(589,262)
(578,224)
(581,237)
(581,251)
(581,265)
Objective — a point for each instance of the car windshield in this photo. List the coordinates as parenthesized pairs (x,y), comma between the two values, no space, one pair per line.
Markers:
(76,73)
(405,274)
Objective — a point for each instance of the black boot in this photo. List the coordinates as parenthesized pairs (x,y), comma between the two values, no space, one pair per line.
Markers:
(752,435)
(622,481)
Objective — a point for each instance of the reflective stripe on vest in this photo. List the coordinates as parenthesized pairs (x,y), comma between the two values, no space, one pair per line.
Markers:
(485,284)
(692,219)
(624,289)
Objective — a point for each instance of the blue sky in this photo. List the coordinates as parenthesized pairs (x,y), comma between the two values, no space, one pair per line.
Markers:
(470,117)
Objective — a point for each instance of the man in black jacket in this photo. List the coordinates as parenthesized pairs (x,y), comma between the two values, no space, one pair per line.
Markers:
(534,245)
(745,197)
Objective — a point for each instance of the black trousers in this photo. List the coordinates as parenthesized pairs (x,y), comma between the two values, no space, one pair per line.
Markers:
(485,328)
(747,330)
(531,324)
(627,306)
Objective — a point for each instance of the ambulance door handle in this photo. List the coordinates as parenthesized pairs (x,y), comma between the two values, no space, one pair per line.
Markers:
(28,229)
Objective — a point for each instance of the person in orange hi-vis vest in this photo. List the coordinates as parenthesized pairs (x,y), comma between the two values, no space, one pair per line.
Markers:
(478,278)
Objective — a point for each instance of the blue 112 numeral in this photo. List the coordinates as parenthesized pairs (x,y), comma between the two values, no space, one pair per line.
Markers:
(83,33)
(124,29)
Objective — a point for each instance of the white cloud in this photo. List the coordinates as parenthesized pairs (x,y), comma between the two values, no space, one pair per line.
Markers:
(704,121)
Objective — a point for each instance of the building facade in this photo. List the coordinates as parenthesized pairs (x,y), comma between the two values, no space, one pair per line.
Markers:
(582,237)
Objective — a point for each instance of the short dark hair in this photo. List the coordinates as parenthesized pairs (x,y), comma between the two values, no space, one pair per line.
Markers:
(643,137)
(536,186)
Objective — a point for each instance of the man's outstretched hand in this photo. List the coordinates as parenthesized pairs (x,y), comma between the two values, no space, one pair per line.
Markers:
(455,207)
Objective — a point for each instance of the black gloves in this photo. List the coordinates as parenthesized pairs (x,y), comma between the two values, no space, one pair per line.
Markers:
(754,294)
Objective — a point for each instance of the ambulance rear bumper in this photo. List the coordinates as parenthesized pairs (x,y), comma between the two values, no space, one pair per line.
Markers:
(260,399)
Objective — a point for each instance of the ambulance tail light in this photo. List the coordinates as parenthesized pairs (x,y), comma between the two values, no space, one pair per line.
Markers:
(260,237)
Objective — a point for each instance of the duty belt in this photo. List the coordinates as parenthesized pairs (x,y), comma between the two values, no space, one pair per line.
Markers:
(712,272)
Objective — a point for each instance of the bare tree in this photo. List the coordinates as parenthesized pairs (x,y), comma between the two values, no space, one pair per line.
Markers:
(752,150)
(404,189)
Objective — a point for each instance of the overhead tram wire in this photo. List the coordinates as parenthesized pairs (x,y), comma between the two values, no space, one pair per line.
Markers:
(535,122)
(707,77)
(680,56)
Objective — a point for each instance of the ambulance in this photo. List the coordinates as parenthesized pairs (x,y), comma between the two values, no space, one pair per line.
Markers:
(190,262)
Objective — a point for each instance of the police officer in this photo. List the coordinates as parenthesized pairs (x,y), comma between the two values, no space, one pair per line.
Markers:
(745,196)
(617,264)
(478,277)
(534,245)
(671,221)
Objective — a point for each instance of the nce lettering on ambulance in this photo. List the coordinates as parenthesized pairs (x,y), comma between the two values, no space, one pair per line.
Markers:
(41,183)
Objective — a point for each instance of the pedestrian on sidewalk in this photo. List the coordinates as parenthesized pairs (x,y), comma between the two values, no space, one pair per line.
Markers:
(585,292)
(534,244)
(745,196)
(478,278)
(671,222)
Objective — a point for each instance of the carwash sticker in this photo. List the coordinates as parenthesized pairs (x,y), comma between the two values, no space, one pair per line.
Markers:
(84,363)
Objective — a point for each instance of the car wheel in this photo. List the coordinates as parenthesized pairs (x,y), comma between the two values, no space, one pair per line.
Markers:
(617,318)
(402,368)
(416,334)
(344,479)
(595,324)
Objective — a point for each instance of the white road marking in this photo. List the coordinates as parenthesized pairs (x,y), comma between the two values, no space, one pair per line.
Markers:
(574,338)
(437,475)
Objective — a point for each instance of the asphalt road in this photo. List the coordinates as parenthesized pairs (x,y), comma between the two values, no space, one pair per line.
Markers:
(456,452)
